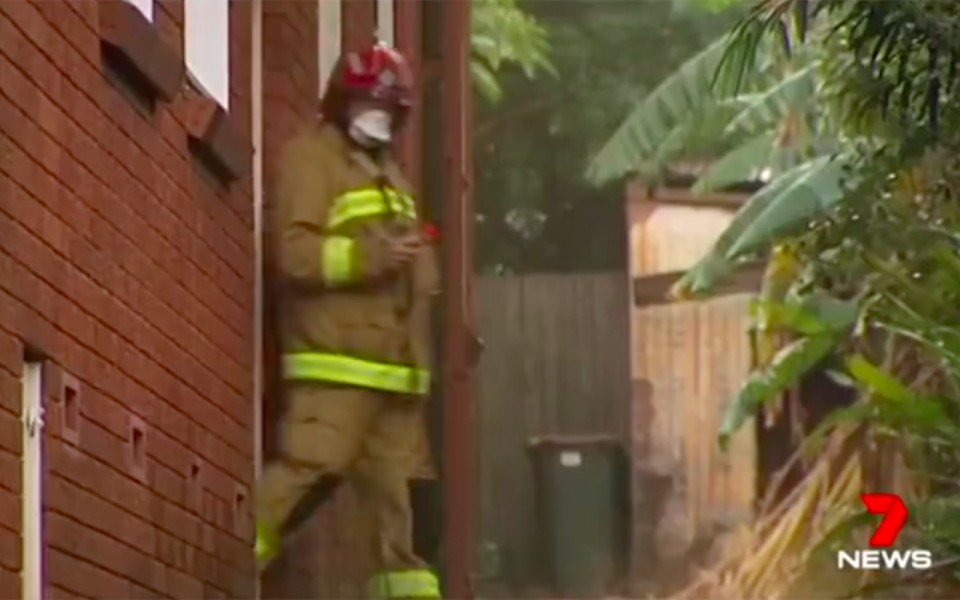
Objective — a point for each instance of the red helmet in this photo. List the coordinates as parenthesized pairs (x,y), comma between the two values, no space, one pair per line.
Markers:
(377,73)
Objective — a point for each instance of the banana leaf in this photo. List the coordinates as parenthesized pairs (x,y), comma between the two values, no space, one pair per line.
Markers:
(793,199)
(783,206)
(764,384)
(716,264)
(810,315)
(897,402)
(743,163)
(795,93)
(699,135)
(677,99)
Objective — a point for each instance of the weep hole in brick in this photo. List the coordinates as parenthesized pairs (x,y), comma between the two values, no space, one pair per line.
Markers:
(195,486)
(240,513)
(137,447)
(70,398)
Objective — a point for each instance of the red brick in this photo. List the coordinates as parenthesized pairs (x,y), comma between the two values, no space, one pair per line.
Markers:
(9,510)
(134,274)
(11,357)
(57,593)
(9,549)
(10,467)
(69,499)
(79,576)
(10,432)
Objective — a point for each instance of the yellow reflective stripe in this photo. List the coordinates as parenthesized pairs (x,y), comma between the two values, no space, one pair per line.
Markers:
(355,371)
(396,198)
(337,259)
(268,544)
(419,583)
(355,205)
(361,203)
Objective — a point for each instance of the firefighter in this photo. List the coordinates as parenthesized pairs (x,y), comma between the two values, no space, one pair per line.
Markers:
(357,275)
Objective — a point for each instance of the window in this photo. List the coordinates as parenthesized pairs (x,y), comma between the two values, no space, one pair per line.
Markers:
(207,46)
(385,22)
(145,7)
(330,38)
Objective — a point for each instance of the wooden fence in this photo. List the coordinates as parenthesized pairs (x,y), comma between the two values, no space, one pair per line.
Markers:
(557,362)
(688,359)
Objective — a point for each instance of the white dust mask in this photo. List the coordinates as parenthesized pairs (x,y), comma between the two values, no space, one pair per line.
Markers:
(371,127)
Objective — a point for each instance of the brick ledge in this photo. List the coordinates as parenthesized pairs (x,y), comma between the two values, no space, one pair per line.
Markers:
(134,47)
(215,139)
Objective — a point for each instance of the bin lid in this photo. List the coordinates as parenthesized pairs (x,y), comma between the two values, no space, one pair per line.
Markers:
(556,442)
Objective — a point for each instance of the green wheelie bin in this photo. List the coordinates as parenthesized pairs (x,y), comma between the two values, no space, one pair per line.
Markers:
(583,507)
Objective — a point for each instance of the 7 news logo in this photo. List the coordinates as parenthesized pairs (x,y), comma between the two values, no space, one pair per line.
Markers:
(880,556)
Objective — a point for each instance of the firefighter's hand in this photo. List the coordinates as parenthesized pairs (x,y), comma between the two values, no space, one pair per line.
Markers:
(403,250)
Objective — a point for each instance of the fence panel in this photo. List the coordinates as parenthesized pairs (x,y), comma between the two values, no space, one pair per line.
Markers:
(557,362)
(688,359)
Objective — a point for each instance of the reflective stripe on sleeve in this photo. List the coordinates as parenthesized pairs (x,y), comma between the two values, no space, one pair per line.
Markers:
(338,259)
(369,202)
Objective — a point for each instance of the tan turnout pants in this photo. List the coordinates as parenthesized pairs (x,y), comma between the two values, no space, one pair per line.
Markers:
(370,438)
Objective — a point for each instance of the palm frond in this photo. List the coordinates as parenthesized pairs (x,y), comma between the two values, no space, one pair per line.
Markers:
(911,50)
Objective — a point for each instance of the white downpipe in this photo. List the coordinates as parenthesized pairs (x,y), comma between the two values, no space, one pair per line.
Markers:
(32,475)
(256,131)
(386,27)
(256,112)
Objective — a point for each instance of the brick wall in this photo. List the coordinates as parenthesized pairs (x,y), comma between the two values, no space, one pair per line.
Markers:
(129,266)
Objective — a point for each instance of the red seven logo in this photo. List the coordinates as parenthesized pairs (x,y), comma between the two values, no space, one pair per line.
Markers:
(894,513)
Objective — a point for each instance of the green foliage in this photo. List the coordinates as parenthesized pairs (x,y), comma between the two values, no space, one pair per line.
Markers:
(870,209)
(536,212)
(790,364)
(662,114)
(782,207)
(710,6)
(821,322)
(768,108)
(904,53)
(504,35)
